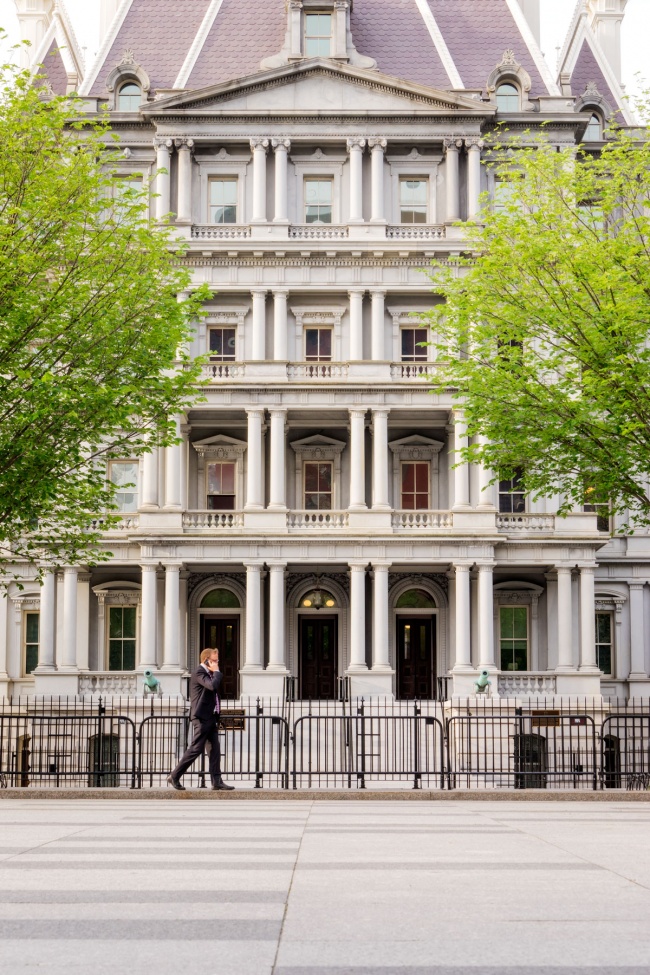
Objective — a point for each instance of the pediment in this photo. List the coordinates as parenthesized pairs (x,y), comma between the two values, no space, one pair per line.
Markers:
(318,443)
(416,444)
(219,441)
(317,85)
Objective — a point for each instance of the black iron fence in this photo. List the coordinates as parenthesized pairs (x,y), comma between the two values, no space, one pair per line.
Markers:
(345,744)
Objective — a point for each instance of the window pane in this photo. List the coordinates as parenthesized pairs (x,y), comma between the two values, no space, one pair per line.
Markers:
(223,200)
(31,627)
(408,477)
(121,474)
(421,477)
(593,131)
(128,621)
(115,623)
(311,477)
(129,98)
(507,98)
(325,343)
(311,343)
(413,200)
(318,200)
(214,478)
(128,655)
(31,658)
(318,33)
(325,477)
(520,622)
(603,628)
(228,478)
(115,655)
(222,343)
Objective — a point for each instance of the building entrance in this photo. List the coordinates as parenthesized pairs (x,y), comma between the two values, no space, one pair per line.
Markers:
(415,658)
(318,658)
(222,632)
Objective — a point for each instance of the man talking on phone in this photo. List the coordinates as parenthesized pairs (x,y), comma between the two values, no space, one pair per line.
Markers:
(205,707)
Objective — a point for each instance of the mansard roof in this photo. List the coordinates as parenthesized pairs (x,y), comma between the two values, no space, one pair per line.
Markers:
(58,59)
(437,43)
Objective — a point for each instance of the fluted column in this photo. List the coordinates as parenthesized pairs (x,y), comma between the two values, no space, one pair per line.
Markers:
(377,147)
(637,626)
(83,620)
(173,468)
(184,148)
(463,629)
(356,326)
(358,616)
(380,460)
(172,644)
(277,638)
(149,616)
(357,460)
(258,350)
(564,619)
(452,149)
(150,479)
(68,659)
(278,494)
(259,148)
(162,183)
(355,148)
(485,488)
(378,326)
(46,621)
(461,467)
(281,147)
(474,147)
(254,485)
(486,616)
(253,658)
(380,658)
(587,619)
(280,325)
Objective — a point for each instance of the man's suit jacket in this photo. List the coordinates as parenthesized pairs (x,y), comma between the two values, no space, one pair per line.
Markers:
(204,691)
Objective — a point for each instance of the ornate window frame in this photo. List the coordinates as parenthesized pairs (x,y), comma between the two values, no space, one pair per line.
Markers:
(509,70)
(116,594)
(329,315)
(522,594)
(222,164)
(318,447)
(612,602)
(233,316)
(127,70)
(24,602)
(318,165)
(221,448)
(407,318)
(416,448)
(414,165)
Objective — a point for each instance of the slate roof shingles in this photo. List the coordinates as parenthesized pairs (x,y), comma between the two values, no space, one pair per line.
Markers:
(587,70)
(54,70)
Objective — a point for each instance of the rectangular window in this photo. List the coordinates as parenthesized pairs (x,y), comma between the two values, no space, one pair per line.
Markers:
(222,344)
(223,200)
(504,194)
(603,519)
(124,475)
(414,347)
(513,630)
(415,486)
(318,344)
(221,486)
(318,486)
(121,637)
(512,500)
(318,35)
(318,200)
(32,621)
(413,198)
(604,642)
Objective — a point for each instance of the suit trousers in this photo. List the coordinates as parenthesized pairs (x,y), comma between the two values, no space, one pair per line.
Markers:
(205,736)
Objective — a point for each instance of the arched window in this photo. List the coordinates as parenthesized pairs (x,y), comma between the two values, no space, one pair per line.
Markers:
(220,599)
(415,599)
(318,599)
(129,97)
(507,98)
(594,131)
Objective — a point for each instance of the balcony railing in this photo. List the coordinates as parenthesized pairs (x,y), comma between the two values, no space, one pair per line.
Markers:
(318,231)
(525,523)
(525,684)
(211,520)
(317,520)
(411,370)
(109,683)
(413,520)
(214,372)
(317,370)
(221,232)
(126,523)
(416,232)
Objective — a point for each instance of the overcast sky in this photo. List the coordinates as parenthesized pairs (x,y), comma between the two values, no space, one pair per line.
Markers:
(556,16)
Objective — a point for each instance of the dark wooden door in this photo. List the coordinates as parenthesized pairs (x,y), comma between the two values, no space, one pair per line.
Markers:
(318,658)
(415,658)
(222,632)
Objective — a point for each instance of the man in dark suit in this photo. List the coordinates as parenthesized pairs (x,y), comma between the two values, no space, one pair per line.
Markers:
(205,706)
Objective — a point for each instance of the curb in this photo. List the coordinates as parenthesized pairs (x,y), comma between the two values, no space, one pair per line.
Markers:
(359,795)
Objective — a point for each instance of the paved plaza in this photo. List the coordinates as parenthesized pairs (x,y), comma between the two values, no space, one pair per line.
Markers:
(324,886)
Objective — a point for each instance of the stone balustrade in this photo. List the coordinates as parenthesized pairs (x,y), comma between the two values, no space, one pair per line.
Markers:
(108,684)
(221,232)
(405,520)
(525,523)
(316,520)
(526,684)
(200,520)
(317,370)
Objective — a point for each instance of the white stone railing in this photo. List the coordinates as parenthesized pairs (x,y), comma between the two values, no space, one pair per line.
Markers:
(318,231)
(126,523)
(213,520)
(215,372)
(317,520)
(221,232)
(525,523)
(317,370)
(108,683)
(416,232)
(413,520)
(411,370)
(516,685)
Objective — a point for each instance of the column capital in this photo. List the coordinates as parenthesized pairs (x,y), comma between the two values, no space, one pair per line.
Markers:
(564,568)
(256,411)
(278,291)
(357,566)
(278,411)
(149,566)
(462,567)
(378,292)
(356,143)
(378,142)
(474,142)
(453,144)
(258,143)
(280,144)
(253,565)
(380,565)
(184,143)
(259,292)
(173,564)
(276,565)
(354,292)
(485,566)
(380,410)
(69,570)
(163,143)
(356,412)
(635,586)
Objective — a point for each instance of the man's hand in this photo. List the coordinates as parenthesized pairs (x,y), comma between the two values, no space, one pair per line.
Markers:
(213,665)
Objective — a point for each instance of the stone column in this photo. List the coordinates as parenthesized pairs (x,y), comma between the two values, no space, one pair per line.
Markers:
(380,460)
(172,644)
(358,616)
(46,622)
(277,638)
(461,470)
(378,325)
(4,642)
(68,659)
(259,148)
(380,657)
(357,460)
(149,616)
(355,148)
(254,485)
(258,351)
(474,147)
(564,619)
(150,480)
(184,204)
(162,183)
(253,657)
(173,467)
(281,147)
(83,621)
(486,616)
(637,627)
(463,629)
(486,490)
(377,147)
(356,326)
(280,326)
(452,149)
(587,620)
(278,494)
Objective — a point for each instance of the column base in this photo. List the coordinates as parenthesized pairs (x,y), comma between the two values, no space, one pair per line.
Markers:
(371,683)
(639,686)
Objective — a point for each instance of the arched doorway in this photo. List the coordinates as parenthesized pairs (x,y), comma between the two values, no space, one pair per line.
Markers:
(317,645)
(219,616)
(415,645)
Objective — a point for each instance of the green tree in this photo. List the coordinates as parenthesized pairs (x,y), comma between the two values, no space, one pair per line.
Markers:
(90,326)
(544,335)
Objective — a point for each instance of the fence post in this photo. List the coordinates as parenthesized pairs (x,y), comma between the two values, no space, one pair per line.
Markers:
(361,776)
(417,774)
(259,710)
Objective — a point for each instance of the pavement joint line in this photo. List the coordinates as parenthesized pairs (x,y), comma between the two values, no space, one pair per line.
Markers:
(289,889)
(367,795)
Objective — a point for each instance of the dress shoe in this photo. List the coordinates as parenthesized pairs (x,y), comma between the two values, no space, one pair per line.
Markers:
(222,787)
(175,784)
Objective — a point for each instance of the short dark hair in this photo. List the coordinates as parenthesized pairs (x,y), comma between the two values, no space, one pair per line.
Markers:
(205,654)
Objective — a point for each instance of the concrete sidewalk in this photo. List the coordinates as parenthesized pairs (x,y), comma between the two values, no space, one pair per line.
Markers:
(324,886)
(344,795)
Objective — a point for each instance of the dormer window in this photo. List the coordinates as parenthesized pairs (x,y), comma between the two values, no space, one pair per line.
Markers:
(507,98)
(594,131)
(318,35)
(129,98)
